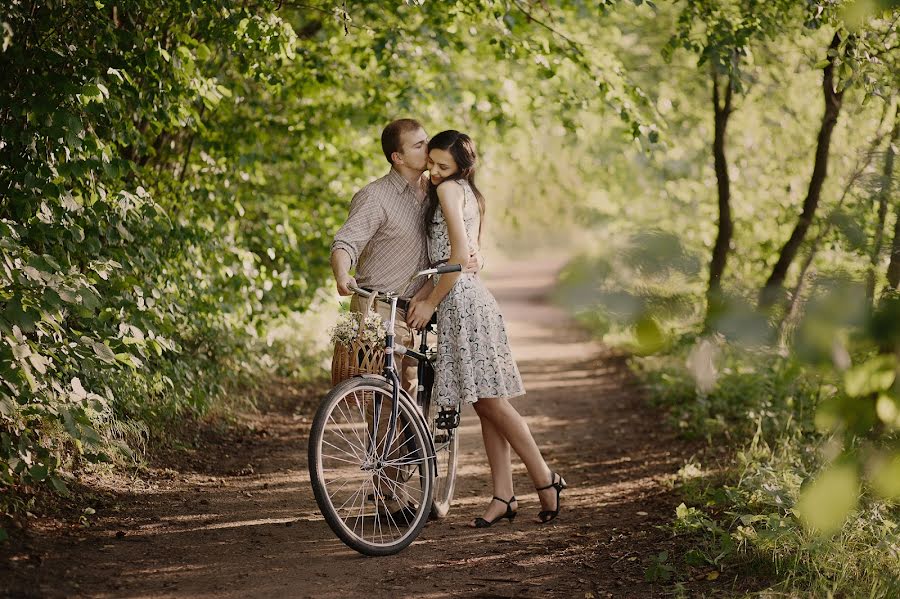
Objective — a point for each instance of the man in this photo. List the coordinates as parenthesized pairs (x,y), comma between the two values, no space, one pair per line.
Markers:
(383,239)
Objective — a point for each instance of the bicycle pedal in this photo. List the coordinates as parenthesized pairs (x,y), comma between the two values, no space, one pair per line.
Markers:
(447,419)
(381,497)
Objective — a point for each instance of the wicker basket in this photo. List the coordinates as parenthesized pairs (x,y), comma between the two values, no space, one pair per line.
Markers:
(357,357)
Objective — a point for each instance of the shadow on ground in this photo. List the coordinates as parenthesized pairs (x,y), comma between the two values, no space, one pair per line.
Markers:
(236,517)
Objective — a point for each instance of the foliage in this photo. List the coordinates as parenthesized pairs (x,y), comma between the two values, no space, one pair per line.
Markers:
(807,400)
(757,513)
(121,303)
(171,175)
(752,519)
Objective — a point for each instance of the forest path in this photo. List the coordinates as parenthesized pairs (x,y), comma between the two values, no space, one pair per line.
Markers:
(237,518)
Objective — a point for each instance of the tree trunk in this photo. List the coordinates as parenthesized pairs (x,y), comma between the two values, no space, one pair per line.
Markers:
(721,111)
(772,290)
(793,311)
(884,194)
(893,271)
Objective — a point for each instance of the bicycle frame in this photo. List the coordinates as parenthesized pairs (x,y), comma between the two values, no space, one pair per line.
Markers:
(390,369)
(390,373)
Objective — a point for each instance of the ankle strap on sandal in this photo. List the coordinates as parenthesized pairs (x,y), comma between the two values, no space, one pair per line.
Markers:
(552,484)
(508,503)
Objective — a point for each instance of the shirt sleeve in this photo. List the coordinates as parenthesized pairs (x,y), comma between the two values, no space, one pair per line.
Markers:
(366,216)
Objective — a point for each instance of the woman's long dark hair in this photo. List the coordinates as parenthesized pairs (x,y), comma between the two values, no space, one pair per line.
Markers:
(462,148)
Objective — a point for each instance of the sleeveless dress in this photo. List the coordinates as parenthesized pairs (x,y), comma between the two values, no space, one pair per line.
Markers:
(473,355)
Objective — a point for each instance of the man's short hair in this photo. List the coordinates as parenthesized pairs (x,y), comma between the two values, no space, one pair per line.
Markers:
(390,137)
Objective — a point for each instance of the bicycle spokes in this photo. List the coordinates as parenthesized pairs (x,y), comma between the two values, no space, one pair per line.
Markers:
(376,480)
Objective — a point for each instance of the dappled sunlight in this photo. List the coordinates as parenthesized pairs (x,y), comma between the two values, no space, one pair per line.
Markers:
(158,529)
(544,375)
(253,513)
(564,384)
(527,353)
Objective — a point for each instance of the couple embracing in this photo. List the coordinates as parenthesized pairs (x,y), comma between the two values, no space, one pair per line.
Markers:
(408,221)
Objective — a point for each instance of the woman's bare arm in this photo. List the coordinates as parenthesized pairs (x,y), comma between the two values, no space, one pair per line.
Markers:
(452,199)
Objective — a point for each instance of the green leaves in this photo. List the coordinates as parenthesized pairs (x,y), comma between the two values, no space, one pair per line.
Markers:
(649,335)
(38,472)
(94,92)
(657,569)
(886,477)
(867,399)
(59,485)
(829,499)
(103,352)
(873,375)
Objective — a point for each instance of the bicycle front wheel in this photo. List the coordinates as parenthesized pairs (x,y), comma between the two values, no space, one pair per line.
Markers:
(375,503)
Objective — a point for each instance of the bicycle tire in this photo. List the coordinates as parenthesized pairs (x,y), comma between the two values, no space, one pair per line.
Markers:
(446,446)
(333,457)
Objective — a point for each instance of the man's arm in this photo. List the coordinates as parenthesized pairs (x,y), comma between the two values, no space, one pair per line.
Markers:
(366,216)
(340,266)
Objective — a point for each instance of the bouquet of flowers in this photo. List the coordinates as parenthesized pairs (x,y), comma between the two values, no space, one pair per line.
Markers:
(351,327)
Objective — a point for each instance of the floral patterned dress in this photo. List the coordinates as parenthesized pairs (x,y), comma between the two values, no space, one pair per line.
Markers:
(473,356)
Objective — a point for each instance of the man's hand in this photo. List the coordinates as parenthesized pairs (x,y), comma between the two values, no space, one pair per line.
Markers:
(420,313)
(344,283)
(414,300)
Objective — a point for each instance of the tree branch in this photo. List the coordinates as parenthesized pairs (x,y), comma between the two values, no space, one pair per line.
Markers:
(575,46)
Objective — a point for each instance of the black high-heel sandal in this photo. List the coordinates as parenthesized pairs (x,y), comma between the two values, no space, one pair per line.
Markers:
(405,515)
(509,515)
(546,516)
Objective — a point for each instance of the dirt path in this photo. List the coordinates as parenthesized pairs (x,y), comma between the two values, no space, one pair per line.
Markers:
(237,518)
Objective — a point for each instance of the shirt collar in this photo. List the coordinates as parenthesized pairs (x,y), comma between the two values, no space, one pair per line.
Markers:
(399,183)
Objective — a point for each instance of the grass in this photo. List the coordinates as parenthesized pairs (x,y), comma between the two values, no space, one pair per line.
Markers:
(756,408)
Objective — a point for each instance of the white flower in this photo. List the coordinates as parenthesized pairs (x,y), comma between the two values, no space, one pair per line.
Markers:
(348,330)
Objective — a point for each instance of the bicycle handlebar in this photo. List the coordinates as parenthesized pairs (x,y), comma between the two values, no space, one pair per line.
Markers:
(439,270)
(359,291)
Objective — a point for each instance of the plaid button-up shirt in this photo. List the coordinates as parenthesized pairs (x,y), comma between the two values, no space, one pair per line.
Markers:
(384,234)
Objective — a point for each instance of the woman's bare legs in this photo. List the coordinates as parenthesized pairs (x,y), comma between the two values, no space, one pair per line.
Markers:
(497,449)
(509,424)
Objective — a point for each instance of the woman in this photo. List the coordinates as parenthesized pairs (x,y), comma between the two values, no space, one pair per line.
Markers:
(474,362)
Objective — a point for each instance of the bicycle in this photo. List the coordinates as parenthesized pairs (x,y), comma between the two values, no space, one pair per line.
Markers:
(380,462)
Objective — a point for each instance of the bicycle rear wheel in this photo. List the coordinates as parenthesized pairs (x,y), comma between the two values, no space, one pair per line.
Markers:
(446,444)
(375,506)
